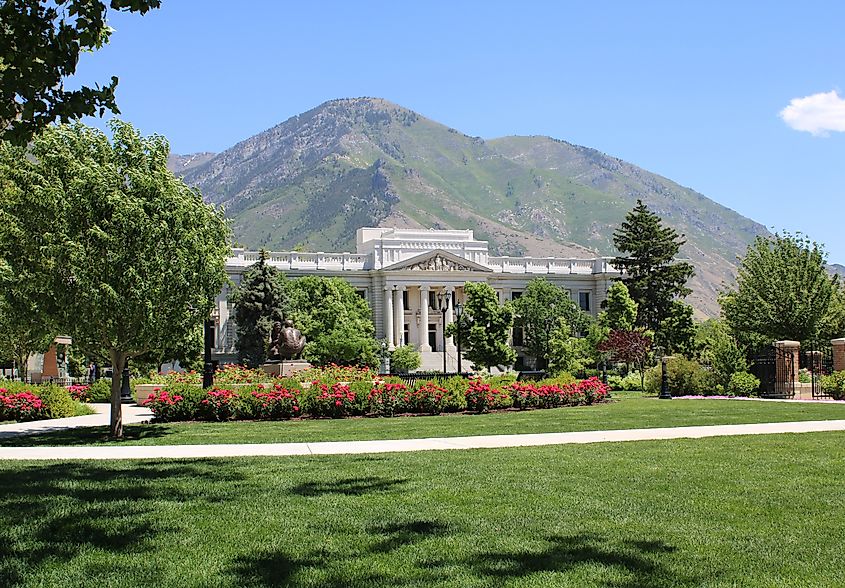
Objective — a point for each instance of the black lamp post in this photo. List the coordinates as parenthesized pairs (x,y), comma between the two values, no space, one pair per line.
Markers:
(125,390)
(207,364)
(664,382)
(442,302)
(459,310)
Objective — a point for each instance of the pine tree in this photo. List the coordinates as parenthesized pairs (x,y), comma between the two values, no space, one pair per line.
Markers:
(648,250)
(258,303)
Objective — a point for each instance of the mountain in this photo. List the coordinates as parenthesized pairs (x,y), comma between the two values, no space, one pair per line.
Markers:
(312,180)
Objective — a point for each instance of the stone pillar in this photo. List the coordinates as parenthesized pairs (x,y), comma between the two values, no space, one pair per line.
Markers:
(838,354)
(450,313)
(399,319)
(786,349)
(388,317)
(424,346)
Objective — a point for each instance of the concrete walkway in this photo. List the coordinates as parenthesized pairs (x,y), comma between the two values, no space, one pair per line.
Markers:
(131,414)
(388,446)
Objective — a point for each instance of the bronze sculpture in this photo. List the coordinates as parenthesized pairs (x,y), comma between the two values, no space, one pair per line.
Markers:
(286,342)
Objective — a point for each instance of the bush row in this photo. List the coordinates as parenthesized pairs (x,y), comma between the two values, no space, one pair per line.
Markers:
(28,402)
(834,384)
(288,399)
(685,377)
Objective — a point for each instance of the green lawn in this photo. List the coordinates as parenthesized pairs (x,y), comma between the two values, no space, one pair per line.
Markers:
(763,511)
(627,413)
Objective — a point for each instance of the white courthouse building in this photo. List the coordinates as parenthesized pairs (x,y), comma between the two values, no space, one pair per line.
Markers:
(410,277)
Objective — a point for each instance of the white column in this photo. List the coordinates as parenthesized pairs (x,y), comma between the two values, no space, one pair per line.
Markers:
(423,343)
(399,319)
(450,310)
(388,317)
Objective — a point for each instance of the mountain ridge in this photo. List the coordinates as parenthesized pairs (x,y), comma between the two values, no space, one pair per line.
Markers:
(313,179)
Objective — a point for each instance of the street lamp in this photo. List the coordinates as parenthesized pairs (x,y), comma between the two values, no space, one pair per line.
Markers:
(664,382)
(442,304)
(209,366)
(125,390)
(459,310)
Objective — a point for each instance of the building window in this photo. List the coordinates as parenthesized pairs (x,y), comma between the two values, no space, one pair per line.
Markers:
(405,299)
(432,299)
(515,295)
(406,334)
(518,337)
(361,293)
(584,301)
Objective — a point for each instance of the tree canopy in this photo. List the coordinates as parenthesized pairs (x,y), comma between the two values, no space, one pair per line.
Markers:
(539,311)
(108,245)
(258,303)
(336,321)
(783,292)
(40,45)
(620,310)
(654,279)
(485,327)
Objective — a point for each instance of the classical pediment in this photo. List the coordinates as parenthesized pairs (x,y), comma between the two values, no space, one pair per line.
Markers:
(438,261)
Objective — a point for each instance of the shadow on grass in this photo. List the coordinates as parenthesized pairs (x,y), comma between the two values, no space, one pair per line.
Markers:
(602,561)
(84,436)
(51,514)
(347,486)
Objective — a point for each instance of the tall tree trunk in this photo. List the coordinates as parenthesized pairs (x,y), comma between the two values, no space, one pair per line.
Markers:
(118,360)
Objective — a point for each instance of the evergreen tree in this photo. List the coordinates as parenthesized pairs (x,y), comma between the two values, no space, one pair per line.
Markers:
(258,303)
(648,250)
(485,325)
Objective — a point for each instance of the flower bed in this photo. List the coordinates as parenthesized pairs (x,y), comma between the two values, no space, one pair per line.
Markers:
(30,402)
(385,398)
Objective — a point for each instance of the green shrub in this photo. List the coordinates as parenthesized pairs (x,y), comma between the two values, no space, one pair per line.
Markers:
(454,397)
(57,401)
(501,380)
(684,377)
(100,391)
(176,402)
(615,382)
(834,384)
(404,359)
(632,382)
(743,384)
(562,379)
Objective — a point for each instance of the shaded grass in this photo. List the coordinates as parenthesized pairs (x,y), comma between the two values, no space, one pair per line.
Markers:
(628,413)
(736,511)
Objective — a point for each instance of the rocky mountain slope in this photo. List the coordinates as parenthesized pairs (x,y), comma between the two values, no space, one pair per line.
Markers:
(312,180)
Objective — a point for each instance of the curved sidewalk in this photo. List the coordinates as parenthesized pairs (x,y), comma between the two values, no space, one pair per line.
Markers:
(390,446)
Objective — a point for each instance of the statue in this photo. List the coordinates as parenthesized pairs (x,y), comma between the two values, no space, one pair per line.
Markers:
(285,342)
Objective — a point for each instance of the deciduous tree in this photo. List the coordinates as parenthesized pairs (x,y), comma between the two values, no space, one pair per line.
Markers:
(783,291)
(107,243)
(629,347)
(485,326)
(336,321)
(40,45)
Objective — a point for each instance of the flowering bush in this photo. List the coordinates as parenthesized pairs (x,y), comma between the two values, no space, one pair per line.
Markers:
(163,405)
(21,406)
(482,397)
(426,399)
(79,393)
(336,401)
(278,403)
(218,405)
(386,399)
(333,373)
(593,390)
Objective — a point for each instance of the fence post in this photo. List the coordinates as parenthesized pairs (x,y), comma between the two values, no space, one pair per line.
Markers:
(838,346)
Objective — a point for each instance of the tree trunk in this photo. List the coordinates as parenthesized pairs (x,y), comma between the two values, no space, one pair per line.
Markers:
(118,360)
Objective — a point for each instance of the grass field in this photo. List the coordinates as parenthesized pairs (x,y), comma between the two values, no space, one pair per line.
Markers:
(764,511)
(627,413)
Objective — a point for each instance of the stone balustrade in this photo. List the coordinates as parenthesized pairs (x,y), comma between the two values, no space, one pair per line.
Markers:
(294,260)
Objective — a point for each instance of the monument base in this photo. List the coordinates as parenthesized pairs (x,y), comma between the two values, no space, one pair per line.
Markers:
(286,368)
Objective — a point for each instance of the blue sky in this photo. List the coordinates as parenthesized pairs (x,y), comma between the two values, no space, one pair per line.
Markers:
(744,102)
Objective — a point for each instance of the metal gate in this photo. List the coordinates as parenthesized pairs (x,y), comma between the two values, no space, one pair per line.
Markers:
(816,361)
(775,382)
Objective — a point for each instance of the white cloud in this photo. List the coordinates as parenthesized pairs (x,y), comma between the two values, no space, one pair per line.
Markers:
(817,114)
